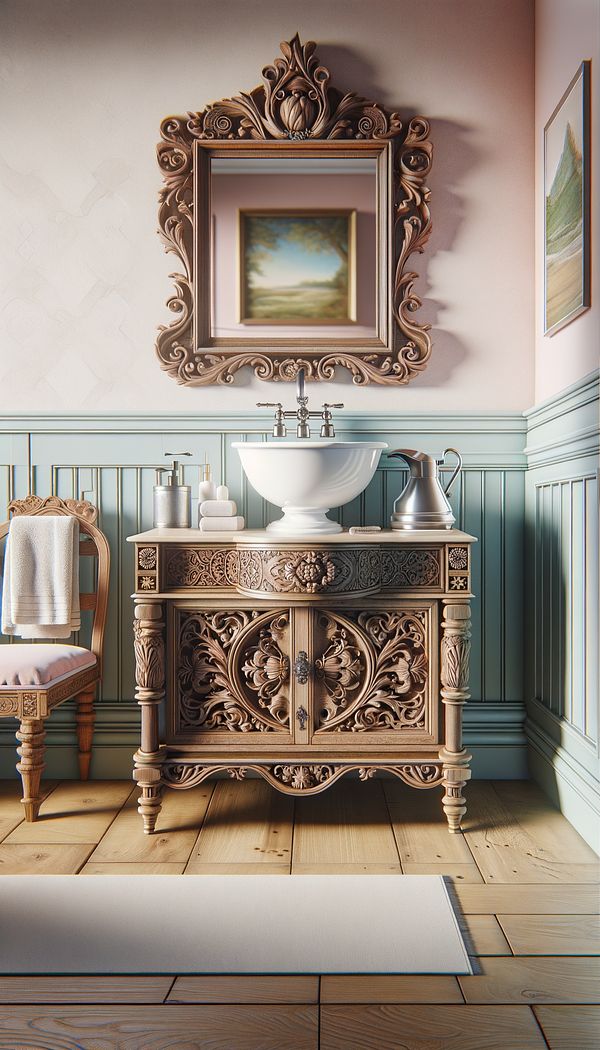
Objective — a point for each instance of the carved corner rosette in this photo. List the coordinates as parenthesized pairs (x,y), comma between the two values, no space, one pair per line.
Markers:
(298,104)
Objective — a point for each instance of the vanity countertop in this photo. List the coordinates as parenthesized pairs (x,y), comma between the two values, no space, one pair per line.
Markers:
(262,536)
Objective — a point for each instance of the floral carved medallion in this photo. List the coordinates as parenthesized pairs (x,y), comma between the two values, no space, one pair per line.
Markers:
(320,571)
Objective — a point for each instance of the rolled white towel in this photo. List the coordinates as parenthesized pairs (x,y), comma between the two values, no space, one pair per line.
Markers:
(234,524)
(218,508)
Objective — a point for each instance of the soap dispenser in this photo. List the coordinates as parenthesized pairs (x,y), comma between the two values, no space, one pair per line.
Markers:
(172,501)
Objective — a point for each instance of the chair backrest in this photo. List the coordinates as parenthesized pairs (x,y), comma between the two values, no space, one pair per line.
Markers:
(91,542)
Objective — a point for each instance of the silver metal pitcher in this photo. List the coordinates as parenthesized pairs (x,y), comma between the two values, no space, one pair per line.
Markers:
(422,504)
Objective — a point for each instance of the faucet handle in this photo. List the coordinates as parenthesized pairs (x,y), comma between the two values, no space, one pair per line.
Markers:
(279,427)
(327,427)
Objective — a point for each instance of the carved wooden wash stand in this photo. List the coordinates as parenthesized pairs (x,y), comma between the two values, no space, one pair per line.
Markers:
(302,661)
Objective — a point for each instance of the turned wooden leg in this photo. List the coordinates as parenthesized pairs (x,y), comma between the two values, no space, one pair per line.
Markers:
(456,773)
(149,646)
(454,675)
(84,719)
(31,734)
(148,779)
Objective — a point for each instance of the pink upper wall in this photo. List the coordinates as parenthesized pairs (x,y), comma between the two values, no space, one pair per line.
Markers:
(566,33)
(84,280)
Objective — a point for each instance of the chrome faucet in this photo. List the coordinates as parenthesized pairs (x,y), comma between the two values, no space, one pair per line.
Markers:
(302,413)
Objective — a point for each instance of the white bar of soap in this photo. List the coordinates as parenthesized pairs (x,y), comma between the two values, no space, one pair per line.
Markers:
(235,524)
(218,508)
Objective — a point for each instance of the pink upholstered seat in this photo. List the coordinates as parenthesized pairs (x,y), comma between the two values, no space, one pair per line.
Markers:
(26,666)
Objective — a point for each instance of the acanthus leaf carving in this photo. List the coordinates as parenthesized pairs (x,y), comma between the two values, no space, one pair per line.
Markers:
(149,648)
(217,690)
(373,671)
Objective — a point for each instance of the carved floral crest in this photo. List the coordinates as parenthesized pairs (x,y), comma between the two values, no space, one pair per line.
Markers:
(296,103)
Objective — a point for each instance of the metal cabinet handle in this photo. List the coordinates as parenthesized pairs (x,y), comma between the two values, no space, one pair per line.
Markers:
(301,667)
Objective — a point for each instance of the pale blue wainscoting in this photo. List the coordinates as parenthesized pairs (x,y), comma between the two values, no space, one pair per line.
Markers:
(562,602)
(111,460)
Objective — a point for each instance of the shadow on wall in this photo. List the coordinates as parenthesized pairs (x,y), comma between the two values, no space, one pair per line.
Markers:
(454,155)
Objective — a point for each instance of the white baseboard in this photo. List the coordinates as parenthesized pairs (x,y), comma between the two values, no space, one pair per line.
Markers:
(572,788)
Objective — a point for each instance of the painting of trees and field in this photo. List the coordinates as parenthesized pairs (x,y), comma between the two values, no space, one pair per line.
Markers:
(297,267)
(564,219)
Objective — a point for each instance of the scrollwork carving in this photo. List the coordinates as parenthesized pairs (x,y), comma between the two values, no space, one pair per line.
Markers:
(53,504)
(373,671)
(232,671)
(298,104)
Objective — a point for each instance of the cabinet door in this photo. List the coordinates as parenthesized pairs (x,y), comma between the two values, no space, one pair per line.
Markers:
(230,675)
(375,675)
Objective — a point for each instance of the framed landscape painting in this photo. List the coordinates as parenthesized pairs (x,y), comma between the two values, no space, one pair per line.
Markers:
(567,205)
(297,267)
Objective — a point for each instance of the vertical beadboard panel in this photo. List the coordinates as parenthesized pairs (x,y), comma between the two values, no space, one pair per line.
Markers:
(562,600)
(592,610)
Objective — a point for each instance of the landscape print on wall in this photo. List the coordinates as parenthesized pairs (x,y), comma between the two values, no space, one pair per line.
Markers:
(297,267)
(566,198)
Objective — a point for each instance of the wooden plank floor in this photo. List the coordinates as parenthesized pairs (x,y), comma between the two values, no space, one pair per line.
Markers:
(525,882)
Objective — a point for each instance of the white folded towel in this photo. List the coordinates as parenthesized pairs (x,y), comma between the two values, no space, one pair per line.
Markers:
(218,508)
(235,524)
(40,594)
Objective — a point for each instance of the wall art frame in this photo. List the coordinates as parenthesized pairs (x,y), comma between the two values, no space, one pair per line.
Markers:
(295,113)
(567,182)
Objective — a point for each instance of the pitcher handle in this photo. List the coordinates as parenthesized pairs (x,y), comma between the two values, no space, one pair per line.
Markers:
(457,469)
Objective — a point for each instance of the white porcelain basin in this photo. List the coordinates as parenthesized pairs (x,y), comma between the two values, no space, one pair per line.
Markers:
(307,478)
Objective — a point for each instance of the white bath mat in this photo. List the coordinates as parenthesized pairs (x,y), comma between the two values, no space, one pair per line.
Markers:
(228,924)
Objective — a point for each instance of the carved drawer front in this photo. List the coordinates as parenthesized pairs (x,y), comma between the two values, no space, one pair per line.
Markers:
(373,675)
(302,573)
(231,675)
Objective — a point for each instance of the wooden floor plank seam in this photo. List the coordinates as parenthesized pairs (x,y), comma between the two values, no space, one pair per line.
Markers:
(541,1030)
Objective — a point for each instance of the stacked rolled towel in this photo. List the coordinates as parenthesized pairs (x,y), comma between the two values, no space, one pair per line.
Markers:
(220,514)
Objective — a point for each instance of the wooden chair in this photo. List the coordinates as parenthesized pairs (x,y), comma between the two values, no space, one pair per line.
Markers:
(65,671)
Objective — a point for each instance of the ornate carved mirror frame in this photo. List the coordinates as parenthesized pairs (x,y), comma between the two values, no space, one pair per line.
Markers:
(297,113)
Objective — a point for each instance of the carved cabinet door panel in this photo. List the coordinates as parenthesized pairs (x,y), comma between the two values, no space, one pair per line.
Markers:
(375,675)
(230,675)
